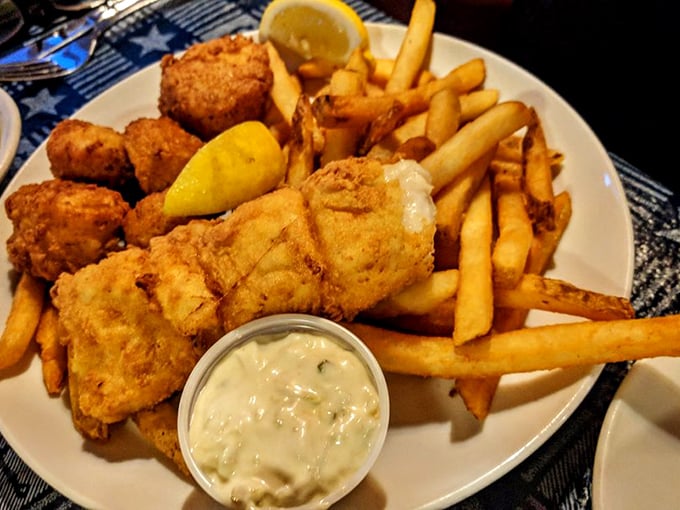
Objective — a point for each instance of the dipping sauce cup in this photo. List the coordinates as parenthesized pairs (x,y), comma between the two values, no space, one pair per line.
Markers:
(288,411)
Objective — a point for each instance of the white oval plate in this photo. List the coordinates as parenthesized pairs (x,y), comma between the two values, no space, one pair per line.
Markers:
(436,454)
(10,131)
(637,461)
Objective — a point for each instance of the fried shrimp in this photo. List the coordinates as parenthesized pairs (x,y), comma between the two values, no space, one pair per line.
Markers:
(215,85)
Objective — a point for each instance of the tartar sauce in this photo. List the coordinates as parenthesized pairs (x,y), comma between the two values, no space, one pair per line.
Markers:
(283,423)
(416,188)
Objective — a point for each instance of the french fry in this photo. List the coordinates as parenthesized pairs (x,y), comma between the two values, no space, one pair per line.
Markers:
(316,68)
(477,394)
(382,125)
(412,127)
(414,46)
(474,301)
(285,90)
(545,243)
(342,142)
(452,202)
(301,145)
(52,351)
(473,140)
(523,350)
(538,176)
(476,102)
(515,231)
(22,321)
(443,118)
(415,148)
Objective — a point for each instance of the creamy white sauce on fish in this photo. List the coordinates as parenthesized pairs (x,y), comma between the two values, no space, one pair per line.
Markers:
(416,187)
(283,423)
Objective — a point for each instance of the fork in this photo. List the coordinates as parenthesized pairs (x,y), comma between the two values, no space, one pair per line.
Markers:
(66,48)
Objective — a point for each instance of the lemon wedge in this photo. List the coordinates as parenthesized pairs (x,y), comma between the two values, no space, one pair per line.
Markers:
(237,165)
(326,29)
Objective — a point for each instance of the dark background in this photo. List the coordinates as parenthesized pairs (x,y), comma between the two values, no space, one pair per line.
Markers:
(611,60)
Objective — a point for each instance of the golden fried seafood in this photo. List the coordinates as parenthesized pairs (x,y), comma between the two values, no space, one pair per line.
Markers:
(139,309)
(61,226)
(82,151)
(158,150)
(215,85)
(123,355)
(146,220)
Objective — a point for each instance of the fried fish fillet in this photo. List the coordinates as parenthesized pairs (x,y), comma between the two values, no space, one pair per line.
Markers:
(123,355)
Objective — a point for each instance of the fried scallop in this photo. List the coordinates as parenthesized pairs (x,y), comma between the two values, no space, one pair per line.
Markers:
(147,220)
(158,149)
(215,85)
(81,151)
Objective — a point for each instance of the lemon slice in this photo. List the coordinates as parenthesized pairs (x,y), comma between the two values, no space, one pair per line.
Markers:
(326,29)
(237,165)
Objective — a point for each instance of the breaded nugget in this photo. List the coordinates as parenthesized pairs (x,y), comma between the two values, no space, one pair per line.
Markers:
(123,355)
(62,225)
(82,151)
(158,149)
(146,220)
(215,85)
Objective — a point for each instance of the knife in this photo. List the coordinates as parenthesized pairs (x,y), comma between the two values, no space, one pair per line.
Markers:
(11,20)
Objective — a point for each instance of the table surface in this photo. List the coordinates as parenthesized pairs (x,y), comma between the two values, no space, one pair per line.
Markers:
(559,473)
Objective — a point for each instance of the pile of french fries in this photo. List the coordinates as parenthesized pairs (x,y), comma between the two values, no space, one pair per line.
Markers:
(499,221)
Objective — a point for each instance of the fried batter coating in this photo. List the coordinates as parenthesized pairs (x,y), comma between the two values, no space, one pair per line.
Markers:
(123,355)
(61,226)
(358,219)
(158,149)
(264,259)
(215,85)
(146,220)
(82,151)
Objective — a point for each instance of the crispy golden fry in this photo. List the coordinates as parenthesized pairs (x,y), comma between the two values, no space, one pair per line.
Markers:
(382,70)
(52,352)
(421,297)
(159,426)
(474,301)
(537,292)
(515,235)
(359,63)
(301,144)
(545,243)
(473,140)
(22,321)
(285,90)
(524,350)
(416,148)
(344,111)
(382,125)
(477,394)
(412,127)
(342,142)
(443,118)
(476,102)
(414,47)
(538,176)
(452,202)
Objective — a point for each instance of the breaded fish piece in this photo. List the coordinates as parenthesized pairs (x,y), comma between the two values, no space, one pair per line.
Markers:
(82,151)
(264,259)
(358,218)
(61,226)
(123,355)
(233,87)
(181,287)
(158,150)
(146,220)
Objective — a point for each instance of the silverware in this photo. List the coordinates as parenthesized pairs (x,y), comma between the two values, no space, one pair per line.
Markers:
(67,47)
(75,5)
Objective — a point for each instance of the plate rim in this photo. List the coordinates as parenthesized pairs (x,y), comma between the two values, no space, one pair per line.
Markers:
(558,420)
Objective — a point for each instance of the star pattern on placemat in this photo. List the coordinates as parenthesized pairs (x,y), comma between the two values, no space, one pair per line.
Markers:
(155,40)
(43,102)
